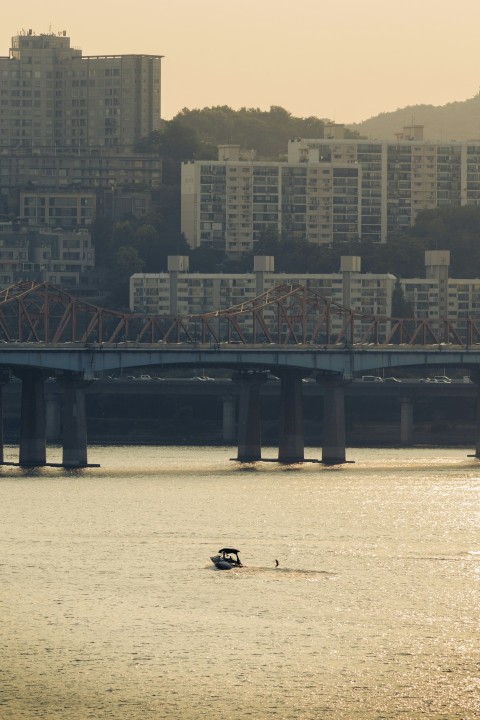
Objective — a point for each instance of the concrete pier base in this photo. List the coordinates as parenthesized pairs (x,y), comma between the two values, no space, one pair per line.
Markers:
(32,421)
(475,377)
(74,439)
(291,445)
(4,378)
(249,420)
(228,419)
(53,417)
(406,421)
(333,446)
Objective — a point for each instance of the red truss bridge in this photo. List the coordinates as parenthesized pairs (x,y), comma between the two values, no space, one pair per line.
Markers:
(289,331)
(39,312)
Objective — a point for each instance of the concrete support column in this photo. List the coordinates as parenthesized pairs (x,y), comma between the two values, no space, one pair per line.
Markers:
(333,447)
(406,421)
(4,378)
(74,422)
(477,429)
(53,417)
(291,446)
(32,421)
(228,433)
(249,419)
(475,377)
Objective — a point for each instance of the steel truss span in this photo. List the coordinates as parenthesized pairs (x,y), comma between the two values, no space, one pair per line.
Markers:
(287,315)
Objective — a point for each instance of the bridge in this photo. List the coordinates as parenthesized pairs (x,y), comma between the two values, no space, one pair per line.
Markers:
(289,331)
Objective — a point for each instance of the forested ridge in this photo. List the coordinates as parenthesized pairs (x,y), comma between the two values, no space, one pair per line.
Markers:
(266,132)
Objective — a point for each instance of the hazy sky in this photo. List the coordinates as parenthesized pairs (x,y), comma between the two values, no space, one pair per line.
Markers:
(345,60)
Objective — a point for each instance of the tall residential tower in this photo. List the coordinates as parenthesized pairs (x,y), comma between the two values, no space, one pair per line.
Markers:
(53,97)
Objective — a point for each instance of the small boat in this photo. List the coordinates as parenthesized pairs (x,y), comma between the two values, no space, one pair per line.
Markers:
(226,559)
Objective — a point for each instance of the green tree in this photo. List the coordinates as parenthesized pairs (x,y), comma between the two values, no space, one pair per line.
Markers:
(126,262)
(123,235)
(102,240)
(147,243)
(401,308)
(265,132)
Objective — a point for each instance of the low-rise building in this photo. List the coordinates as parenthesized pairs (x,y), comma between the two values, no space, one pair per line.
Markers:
(438,296)
(58,209)
(65,258)
(435,297)
(64,188)
(180,292)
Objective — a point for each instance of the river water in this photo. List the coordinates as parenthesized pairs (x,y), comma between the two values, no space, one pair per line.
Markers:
(110,608)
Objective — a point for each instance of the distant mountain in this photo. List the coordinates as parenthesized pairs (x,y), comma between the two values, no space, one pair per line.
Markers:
(454,121)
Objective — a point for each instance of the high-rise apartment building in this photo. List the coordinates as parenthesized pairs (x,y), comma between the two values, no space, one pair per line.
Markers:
(53,97)
(229,204)
(399,178)
(330,190)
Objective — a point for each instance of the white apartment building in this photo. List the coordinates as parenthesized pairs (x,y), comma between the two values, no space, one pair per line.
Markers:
(434,297)
(331,189)
(179,292)
(229,204)
(399,178)
(439,296)
(53,97)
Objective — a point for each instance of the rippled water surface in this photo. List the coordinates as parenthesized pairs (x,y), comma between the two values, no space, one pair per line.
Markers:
(111,609)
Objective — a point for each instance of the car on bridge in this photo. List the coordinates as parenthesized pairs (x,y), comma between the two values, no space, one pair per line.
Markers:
(436,379)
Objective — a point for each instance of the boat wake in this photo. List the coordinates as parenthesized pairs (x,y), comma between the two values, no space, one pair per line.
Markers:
(289,571)
(280,572)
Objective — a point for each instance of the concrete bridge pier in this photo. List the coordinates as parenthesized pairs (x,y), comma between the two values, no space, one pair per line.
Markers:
(228,418)
(4,378)
(333,446)
(406,421)
(291,445)
(33,451)
(249,420)
(475,377)
(74,421)
(477,429)
(53,417)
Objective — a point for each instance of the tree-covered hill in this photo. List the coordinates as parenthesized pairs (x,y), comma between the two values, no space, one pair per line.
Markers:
(454,121)
(265,132)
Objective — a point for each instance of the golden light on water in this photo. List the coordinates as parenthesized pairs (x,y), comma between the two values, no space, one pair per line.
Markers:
(112,609)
